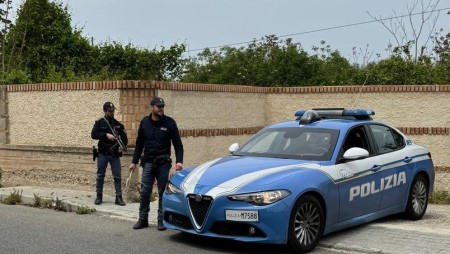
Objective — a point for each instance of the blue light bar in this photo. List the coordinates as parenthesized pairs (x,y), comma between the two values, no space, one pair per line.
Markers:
(329,113)
(358,112)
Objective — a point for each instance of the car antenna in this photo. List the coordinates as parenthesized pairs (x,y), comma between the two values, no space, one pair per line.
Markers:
(360,90)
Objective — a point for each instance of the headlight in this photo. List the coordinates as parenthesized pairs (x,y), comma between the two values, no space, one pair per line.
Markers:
(261,198)
(172,189)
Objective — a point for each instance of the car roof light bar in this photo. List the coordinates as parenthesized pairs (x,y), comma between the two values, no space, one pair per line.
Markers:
(333,113)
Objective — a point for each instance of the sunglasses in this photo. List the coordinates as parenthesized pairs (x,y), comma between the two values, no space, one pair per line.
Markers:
(111,111)
(159,106)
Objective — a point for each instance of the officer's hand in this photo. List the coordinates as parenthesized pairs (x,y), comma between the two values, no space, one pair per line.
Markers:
(132,167)
(179,166)
(110,136)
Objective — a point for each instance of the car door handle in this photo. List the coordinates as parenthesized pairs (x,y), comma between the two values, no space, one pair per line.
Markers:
(375,168)
(407,159)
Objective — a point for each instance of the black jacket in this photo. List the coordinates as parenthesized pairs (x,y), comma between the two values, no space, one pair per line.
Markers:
(154,138)
(100,130)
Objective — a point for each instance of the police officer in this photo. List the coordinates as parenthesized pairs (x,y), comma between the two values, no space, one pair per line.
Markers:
(109,151)
(155,134)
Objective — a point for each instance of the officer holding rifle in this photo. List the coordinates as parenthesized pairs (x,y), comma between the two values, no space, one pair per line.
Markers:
(112,141)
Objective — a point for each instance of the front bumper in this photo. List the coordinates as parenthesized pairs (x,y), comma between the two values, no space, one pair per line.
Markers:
(272,226)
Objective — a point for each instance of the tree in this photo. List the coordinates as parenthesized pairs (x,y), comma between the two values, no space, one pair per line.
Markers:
(411,32)
(42,42)
(270,62)
(5,21)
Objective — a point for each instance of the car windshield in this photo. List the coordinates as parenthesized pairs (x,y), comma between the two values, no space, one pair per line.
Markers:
(292,143)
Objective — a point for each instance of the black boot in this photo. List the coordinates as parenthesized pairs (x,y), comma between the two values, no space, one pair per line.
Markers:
(141,224)
(99,199)
(119,201)
(161,226)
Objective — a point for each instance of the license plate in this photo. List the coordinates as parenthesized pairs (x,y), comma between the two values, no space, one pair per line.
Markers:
(241,215)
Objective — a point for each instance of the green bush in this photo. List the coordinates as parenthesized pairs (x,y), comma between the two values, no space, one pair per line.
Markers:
(14,198)
(85,210)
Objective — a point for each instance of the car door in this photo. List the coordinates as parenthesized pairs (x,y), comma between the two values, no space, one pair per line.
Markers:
(396,164)
(357,189)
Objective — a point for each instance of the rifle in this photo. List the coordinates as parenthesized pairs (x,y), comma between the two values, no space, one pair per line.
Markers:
(116,137)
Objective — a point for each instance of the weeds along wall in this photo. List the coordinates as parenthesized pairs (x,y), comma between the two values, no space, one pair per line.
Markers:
(45,128)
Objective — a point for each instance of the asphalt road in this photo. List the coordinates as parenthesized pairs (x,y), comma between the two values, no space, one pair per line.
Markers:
(33,230)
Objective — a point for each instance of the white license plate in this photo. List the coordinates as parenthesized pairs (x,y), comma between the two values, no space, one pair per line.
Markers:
(241,215)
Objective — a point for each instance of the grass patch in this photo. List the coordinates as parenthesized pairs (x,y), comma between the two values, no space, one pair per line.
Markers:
(440,197)
(38,200)
(85,210)
(14,198)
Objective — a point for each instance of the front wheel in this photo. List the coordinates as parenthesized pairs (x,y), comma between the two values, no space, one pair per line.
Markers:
(306,224)
(417,199)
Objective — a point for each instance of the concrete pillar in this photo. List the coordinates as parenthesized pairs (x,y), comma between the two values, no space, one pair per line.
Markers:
(3,115)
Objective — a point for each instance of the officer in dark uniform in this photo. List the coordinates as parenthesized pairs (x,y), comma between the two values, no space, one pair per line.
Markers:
(155,134)
(109,151)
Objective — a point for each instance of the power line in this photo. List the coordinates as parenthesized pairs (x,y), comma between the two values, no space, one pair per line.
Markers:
(322,29)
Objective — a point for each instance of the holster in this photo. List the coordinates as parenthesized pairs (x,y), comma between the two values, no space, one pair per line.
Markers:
(94,153)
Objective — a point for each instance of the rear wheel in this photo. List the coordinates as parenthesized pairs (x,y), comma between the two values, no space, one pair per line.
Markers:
(417,199)
(306,224)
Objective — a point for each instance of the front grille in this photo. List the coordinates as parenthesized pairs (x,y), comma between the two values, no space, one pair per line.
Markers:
(178,220)
(236,229)
(199,206)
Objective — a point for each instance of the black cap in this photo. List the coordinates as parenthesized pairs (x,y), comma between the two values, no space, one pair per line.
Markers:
(108,106)
(157,101)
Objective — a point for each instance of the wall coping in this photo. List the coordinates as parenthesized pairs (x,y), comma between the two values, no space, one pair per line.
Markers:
(142,84)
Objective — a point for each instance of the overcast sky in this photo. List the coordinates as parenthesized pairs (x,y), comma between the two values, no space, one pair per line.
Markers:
(209,23)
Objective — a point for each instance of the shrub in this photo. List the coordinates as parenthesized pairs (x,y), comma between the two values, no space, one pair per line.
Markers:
(85,210)
(14,198)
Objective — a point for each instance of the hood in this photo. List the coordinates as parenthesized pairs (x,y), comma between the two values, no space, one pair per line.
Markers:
(229,174)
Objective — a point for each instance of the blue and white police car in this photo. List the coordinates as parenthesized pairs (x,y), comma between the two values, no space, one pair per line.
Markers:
(295,181)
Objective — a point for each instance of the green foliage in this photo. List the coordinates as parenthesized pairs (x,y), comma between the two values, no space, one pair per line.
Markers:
(15,77)
(271,62)
(14,198)
(85,210)
(440,197)
(42,37)
(42,46)
(128,62)
(38,200)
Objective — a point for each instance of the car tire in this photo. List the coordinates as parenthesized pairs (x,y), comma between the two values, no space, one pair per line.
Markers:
(417,199)
(306,224)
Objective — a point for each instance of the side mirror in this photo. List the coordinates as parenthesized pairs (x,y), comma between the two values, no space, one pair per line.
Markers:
(356,153)
(233,148)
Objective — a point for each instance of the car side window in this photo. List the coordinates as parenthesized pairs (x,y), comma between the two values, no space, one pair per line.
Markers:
(356,137)
(386,139)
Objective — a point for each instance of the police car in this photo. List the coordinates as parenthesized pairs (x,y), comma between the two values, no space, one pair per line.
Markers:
(295,181)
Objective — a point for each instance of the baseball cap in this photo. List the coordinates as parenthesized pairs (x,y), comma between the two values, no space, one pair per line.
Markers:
(108,106)
(157,101)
